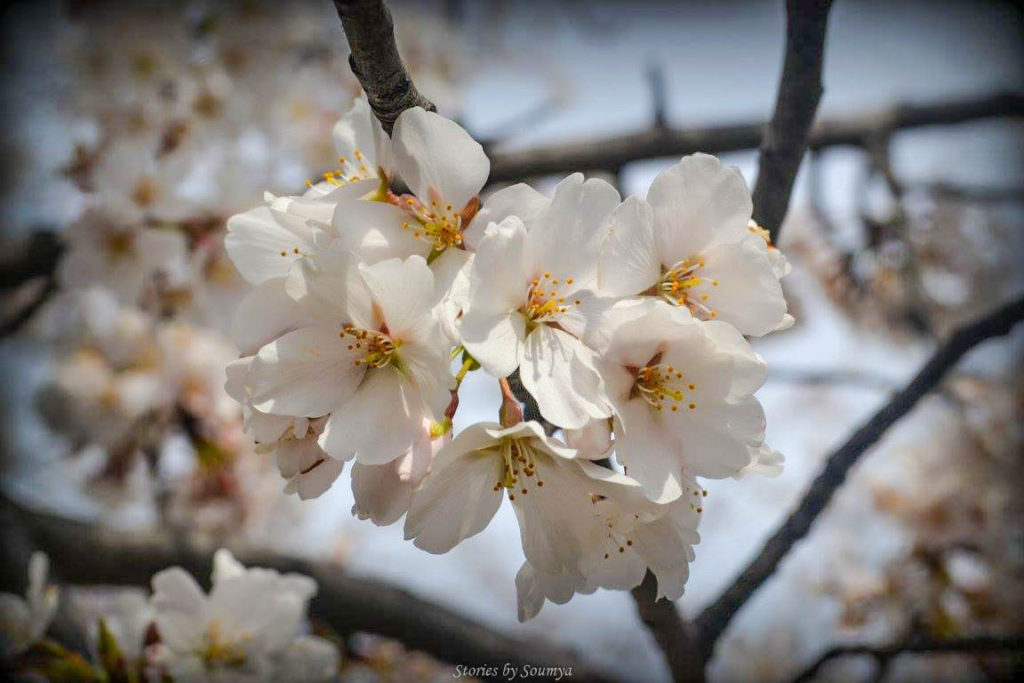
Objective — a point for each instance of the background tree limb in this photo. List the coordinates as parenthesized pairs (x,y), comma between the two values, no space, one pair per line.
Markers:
(716,617)
(976,645)
(675,637)
(89,554)
(612,153)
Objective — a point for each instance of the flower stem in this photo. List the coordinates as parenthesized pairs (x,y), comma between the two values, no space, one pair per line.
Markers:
(511,412)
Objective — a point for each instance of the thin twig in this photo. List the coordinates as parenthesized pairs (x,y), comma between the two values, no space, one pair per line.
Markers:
(800,89)
(90,554)
(29,310)
(612,153)
(716,617)
(976,645)
(675,637)
(375,60)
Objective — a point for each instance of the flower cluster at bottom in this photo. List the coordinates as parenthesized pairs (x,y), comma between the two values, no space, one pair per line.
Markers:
(624,321)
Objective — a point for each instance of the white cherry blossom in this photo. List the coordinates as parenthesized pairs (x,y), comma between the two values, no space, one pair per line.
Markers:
(471,475)
(629,535)
(244,629)
(682,391)
(528,301)
(375,354)
(690,243)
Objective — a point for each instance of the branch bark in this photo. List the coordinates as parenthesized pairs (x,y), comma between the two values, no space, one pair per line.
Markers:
(611,154)
(713,621)
(375,60)
(676,638)
(90,554)
(800,90)
(976,645)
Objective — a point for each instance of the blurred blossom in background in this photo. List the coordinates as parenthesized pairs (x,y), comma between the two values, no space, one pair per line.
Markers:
(132,131)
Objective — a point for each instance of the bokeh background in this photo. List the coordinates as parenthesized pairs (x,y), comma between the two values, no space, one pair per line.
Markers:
(116,413)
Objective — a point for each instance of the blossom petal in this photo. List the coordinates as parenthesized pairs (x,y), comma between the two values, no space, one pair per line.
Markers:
(380,494)
(457,499)
(180,609)
(308,372)
(378,423)
(629,259)
(495,340)
(404,290)
(698,202)
(266,313)
(374,231)
(741,287)
(333,290)
(649,453)
(437,158)
(563,384)
(264,244)
(519,200)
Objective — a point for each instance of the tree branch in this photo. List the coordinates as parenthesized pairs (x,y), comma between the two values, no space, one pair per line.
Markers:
(610,154)
(976,645)
(375,60)
(675,637)
(90,554)
(716,617)
(800,89)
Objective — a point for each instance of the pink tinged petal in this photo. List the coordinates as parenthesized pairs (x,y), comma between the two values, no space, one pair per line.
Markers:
(629,262)
(404,291)
(698,203)
(455,501)
(378,423)
(566,386)
(332,290)
(741,288)
(267,312)
(264,244)
(494,340)
(315,481)
(376,231)
(566,239)
(380,494)
(519,200)
(308,372)
(649,452)
(180,607)
(435,154)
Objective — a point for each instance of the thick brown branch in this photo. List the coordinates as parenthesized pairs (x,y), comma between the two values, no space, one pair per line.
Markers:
(676,639)
(89,554)
(713,621)
(978,645)
(611,154)
(375,60)
(800,89)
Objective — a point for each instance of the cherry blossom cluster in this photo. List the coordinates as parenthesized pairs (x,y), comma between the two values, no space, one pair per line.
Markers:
(250,627)
(623,321)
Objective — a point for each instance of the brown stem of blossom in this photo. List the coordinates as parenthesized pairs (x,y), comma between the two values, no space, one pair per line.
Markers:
(375,60)
(511,409)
